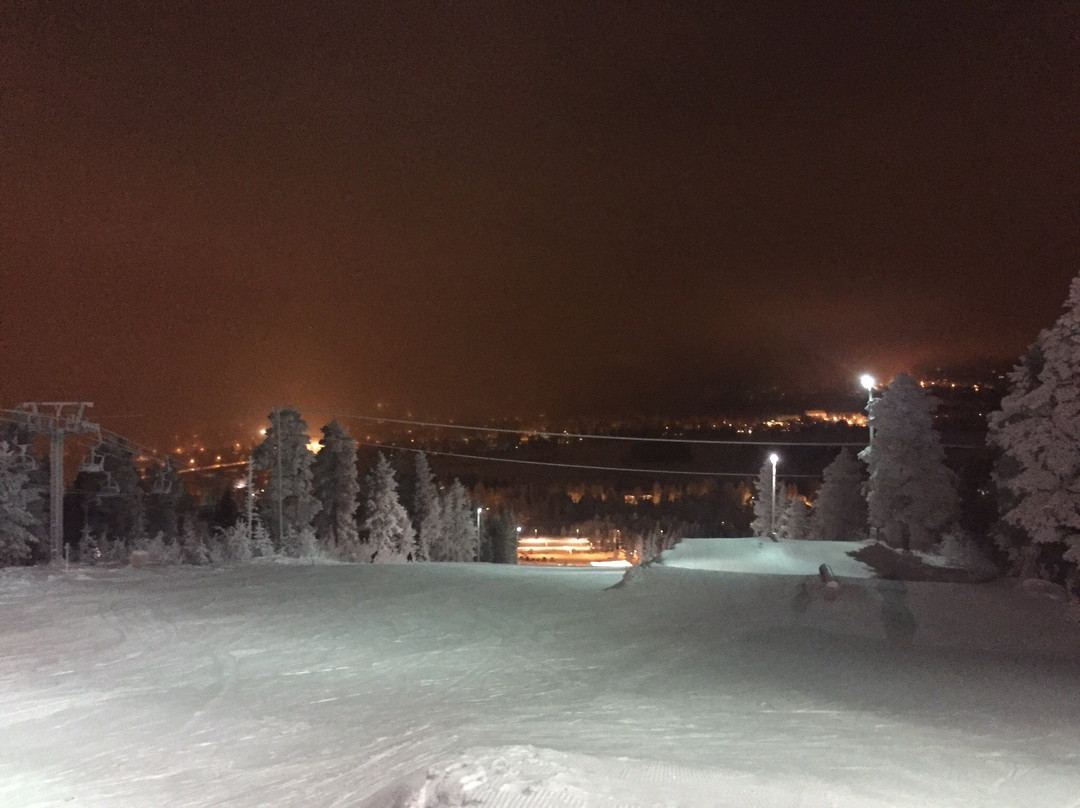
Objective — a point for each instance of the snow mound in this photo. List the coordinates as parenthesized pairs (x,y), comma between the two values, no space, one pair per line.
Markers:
(531,777)
(764,556)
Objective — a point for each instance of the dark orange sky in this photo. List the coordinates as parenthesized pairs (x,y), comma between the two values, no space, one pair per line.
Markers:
(481,209)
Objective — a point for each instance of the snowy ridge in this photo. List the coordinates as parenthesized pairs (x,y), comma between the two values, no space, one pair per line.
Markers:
(764,556)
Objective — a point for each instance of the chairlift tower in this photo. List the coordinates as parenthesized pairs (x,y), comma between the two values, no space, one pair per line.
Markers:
(57,419)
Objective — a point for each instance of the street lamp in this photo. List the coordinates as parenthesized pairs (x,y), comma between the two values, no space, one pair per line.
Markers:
(869,383)
(774,458)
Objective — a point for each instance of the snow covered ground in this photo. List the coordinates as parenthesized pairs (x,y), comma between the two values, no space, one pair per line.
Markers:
(451,685)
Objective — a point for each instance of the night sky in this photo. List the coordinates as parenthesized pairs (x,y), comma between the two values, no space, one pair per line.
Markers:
(475,210)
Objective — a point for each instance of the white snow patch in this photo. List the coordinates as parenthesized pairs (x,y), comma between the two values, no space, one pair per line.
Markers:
(763,555)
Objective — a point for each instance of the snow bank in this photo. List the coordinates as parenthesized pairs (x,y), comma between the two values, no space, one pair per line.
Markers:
(762,555)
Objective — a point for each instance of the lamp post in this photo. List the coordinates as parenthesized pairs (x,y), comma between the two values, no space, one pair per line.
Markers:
(479,541)
(869,382)
(774,458)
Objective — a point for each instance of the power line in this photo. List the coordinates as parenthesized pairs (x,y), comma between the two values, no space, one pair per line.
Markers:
(213,466)
(577,466)
(583,436)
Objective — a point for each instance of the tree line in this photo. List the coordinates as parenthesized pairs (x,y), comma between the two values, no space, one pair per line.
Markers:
(904,495)
(312,505)
(898,490)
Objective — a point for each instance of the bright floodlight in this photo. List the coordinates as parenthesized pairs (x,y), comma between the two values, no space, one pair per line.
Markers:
(867,381)
(774,458)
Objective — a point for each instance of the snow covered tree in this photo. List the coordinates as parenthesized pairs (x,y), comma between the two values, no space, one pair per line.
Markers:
(17,506)
(794,520)
(337,489)
(1037,433)
(764,521)
(193,547)
(236,542)
(840,509)
(426,509)
(458,539)
(261,543)
(285,454)
(911,494)
(386,526)
(21,439)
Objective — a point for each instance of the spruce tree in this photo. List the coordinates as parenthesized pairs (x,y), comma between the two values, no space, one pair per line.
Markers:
(17,503)
(386,526)
(337,489)
(1037,433)
(426,509)
(236,542)
(285,454)
(911,494)
(764,521)
(458,539)
(840,509)
(261,543)
(794,520)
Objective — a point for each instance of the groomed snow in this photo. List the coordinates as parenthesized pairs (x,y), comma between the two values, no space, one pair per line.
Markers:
(449,684)
(761,555)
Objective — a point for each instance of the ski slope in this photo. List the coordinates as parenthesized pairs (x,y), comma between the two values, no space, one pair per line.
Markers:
(453,685)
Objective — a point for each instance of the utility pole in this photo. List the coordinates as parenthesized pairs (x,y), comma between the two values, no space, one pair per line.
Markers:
(66,418)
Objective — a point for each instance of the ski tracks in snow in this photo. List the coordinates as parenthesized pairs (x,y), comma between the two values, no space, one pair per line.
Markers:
(531,777)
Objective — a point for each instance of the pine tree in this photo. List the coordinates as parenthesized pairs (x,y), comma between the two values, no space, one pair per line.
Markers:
(21,439)
(426,510)
(764,523)
(261,543)
(193,545)
(386,527)
(840,509)
(795,519)
(911,494)
(236,542)
(458,539)
(337,488)
(1037,432)
(290,488)
(17,505)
